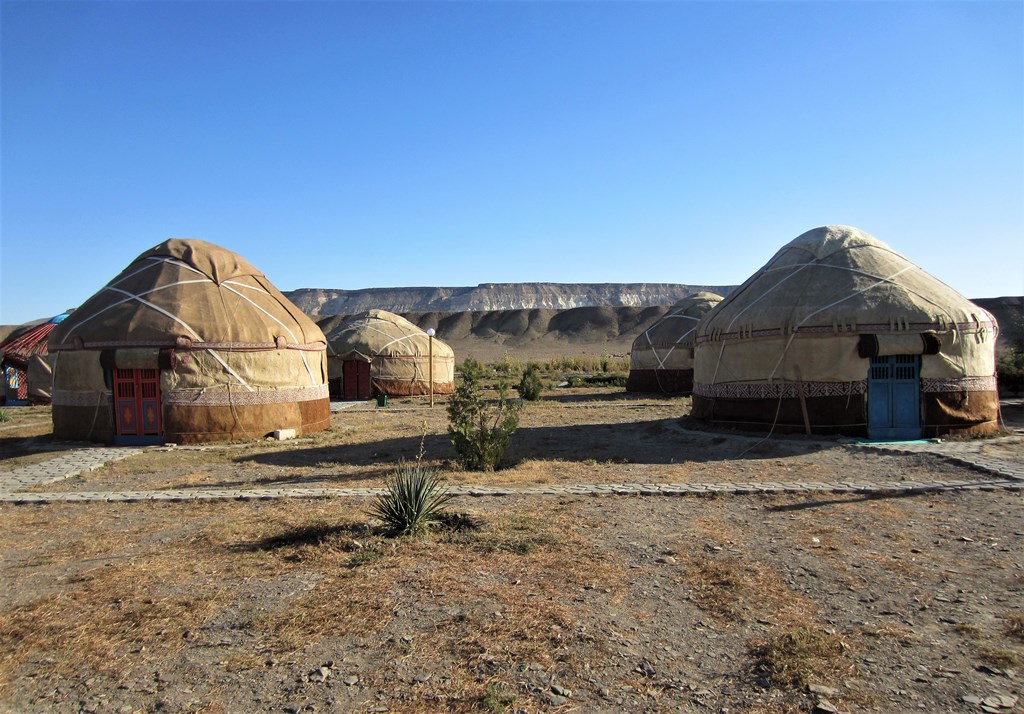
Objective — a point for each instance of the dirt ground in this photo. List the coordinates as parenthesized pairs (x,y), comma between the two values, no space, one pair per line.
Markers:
(819,602)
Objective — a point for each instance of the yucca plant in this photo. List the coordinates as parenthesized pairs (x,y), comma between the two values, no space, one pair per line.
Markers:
(414,497)
(5,415)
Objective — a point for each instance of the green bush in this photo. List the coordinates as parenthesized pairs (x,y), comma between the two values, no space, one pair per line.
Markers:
(413,500)
(480,429)
(530,386)
(5,415)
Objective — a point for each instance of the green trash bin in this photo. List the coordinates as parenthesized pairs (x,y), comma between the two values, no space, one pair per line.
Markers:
(382,400)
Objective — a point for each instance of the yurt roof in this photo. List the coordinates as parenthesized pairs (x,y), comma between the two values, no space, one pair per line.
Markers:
(678,326)
(20,347)
(192,290)
(380,333)
(839,278)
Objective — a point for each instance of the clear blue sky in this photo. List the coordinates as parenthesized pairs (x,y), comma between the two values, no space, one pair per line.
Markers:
(351,145)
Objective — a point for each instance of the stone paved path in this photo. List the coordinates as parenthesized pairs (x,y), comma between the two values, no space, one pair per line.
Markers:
(964,453)
(1006,476)
(68,464)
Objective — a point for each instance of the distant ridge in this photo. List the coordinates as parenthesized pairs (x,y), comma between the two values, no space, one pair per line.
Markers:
(489,297)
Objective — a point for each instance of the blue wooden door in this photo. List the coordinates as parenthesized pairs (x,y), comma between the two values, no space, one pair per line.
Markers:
(894,397)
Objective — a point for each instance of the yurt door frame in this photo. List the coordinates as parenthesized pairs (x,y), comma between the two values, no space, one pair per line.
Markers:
(355,379)
(137,406)
(894,397)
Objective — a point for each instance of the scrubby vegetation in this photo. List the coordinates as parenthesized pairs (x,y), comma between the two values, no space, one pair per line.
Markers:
(481,428)
(530,385)
(577,372)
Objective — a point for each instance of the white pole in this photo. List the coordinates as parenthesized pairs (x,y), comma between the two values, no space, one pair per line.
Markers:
(430,359)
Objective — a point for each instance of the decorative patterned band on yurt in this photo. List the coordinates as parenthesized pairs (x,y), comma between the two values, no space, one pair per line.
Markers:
(195,332)
(837,333)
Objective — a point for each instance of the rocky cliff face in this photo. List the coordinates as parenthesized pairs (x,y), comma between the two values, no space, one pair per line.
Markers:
(490,297)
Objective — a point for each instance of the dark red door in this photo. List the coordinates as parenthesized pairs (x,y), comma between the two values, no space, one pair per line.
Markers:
(137,402)
(357,380)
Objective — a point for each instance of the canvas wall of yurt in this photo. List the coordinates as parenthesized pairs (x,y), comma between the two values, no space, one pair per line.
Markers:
(189,343)
(378,352)
(661,358)
(839,333)
(25,363)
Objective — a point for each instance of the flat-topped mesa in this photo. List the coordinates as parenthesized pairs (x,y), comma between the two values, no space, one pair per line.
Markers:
(490,297)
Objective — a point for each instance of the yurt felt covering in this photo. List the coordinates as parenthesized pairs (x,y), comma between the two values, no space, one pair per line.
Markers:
(397,350)
(789,348)
(27,353)
(237,359)
(661,358)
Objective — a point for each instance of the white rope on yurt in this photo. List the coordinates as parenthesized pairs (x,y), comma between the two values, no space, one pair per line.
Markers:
(302,355)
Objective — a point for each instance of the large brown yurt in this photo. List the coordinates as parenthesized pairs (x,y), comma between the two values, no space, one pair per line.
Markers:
(661,359)
(839,333)
(378,352)
(190,343)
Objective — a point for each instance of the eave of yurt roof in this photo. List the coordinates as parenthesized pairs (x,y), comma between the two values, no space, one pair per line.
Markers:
(20,347)
(192,289)
(840,277)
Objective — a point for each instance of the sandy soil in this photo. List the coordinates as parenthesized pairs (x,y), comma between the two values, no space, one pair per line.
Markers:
(823,602)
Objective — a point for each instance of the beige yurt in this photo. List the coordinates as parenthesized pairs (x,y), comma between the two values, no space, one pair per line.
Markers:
(839,333)
(661,359)
(189,343)
(378,352)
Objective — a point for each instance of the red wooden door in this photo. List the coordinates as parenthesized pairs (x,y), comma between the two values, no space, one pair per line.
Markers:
(357,380)
(137,402)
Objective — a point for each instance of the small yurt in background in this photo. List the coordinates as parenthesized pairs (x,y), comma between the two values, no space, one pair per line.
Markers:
(661,359)
(190,343)
(24,357)
(839,333)
(378,352)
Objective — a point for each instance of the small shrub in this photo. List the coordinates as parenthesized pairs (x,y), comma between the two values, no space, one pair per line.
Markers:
(498,698)
(530,386)
(413,500)
(5,415)
(363,557)
(480,430)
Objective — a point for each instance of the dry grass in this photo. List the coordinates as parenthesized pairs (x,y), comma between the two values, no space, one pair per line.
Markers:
(734,588)
(101,617)
(555,582)
(794,656)
(1014,627)
(488,598)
